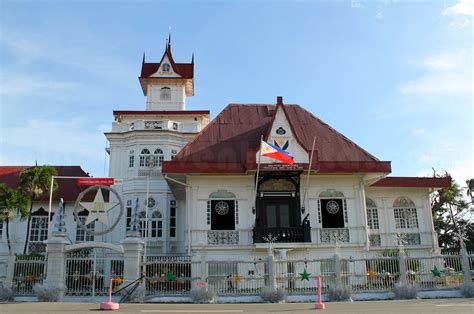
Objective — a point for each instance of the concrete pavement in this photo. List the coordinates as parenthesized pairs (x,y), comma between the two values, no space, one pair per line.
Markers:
(405,307)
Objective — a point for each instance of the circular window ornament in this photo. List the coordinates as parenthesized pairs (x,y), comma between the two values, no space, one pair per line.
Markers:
(151,202)
(222,208)
(281,131)
(332,207)
(98,210)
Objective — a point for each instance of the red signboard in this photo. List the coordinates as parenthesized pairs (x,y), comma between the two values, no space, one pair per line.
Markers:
(95,181)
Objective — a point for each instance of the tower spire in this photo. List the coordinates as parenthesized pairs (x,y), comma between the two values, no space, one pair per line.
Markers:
(168,42)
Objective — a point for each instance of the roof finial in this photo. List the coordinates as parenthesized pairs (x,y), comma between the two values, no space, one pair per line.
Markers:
(192,59)
(168,45)
(143,61)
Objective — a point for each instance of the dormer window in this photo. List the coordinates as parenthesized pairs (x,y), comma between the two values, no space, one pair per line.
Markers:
(166,68)
(165,93)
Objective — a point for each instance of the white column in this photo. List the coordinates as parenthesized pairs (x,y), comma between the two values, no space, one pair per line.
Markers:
(56,268)
(132,255)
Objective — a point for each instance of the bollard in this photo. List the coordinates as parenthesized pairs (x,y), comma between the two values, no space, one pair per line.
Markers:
(320,305)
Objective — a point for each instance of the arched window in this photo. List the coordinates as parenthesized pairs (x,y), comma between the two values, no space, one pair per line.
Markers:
(131,159)
(165,93)
(82,235)
(155,224)
(158,155)
(372,214)
(332,209)
(404,212)
(166,68)
(144,157)
(38,230)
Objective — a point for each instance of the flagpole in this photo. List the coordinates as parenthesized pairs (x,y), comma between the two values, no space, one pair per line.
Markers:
(309,171)
(256,177)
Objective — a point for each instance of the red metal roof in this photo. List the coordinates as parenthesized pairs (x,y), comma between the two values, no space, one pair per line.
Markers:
(229,143)
(414,182)
(185,70)
(67,188)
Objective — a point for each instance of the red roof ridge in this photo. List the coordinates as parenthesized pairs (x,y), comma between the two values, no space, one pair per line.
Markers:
(430,182)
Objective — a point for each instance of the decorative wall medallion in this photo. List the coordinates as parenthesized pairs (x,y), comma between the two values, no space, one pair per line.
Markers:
(281,131)
(98,209)
(332,207)
(222,208)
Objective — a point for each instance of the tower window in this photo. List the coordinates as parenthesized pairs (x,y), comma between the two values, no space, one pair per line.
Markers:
(165,93)
(166,67)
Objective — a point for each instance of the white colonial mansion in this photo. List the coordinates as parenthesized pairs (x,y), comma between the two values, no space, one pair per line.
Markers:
(198,180)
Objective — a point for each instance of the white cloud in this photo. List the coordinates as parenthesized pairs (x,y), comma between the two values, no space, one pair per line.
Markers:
(378,16)
(445,62)
(65,141)
(463,7)
(452,84)
(447,73)
(31,85)
(356,4)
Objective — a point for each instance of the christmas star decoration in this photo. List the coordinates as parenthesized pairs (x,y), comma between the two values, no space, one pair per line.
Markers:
(237,278)
(304,275)
(170,276)
(436,272)
(97,209)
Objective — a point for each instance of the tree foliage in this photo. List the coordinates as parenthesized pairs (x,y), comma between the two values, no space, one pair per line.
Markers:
(13,203)
(36,182)
(452,216)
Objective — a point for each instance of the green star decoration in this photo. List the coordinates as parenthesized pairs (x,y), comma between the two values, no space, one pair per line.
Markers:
(304,275)
(436,272)
(170,276)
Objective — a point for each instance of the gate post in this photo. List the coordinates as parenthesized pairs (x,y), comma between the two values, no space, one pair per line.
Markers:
(56,264)
(338,270)
(132,257)
(465,264)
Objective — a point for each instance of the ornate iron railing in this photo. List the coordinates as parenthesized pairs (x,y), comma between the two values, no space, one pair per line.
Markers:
(283,235)
(223,237)
(333,235)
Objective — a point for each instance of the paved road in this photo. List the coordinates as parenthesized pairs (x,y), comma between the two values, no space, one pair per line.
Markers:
(405,307)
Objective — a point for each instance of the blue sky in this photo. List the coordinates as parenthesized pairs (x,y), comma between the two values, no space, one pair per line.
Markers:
(393,76)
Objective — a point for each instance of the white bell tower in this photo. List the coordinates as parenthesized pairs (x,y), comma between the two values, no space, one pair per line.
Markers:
(167,84)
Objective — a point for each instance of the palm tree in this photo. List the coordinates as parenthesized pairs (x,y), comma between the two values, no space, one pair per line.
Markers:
(12,202)
(36,182)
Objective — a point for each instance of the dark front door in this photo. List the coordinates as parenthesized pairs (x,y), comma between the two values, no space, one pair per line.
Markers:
(222,215)
(278,214)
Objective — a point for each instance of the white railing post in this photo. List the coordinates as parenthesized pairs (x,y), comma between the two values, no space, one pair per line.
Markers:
(271,280)
(132,252)
(10,271)
(56,264)
(337,270)
(402,269)
(466,269)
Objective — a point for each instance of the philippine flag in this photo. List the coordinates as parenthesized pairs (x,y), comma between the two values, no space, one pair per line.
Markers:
(274,152)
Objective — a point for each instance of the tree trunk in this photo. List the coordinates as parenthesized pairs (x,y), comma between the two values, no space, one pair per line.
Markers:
(28,226)
(8,235)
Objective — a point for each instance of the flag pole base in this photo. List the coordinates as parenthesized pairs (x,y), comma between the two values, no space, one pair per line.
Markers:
(109,306)
(319,306)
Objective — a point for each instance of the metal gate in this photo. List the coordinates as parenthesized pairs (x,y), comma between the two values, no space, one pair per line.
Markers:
(88,271)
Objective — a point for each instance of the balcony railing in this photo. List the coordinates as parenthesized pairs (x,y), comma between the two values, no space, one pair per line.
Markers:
(222,237)
(283,235)
(333,235)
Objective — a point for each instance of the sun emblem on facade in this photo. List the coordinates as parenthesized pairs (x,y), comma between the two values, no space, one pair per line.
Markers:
(332,207)
(222,208)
